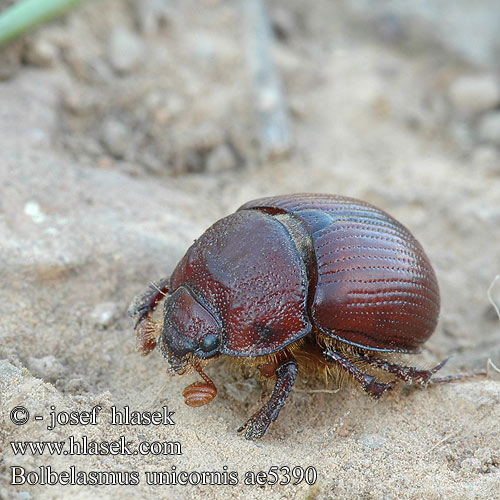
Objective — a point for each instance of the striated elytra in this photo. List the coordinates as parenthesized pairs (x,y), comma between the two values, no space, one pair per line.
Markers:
(306,281)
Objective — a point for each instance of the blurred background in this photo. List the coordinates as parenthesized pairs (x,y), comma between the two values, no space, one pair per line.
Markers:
(127,128)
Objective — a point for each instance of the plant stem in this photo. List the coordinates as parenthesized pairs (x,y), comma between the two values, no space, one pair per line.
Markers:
(25,14)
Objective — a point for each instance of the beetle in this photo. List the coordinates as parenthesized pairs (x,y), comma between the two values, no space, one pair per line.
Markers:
(311,281)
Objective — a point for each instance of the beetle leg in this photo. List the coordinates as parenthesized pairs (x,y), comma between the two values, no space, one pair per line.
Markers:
(458,378)
(146,303)
(256,426)
(368,382)
(406,373)
(147,334)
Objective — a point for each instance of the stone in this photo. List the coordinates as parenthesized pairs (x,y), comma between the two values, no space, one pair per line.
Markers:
(80,102)
(115,136)
(461,132)
(373,441)
(126,50)
(474,94)
(486,155)
(489,458)
(105,314)
(9,374)
(467,30)
(220,159)
(489,128)
(471,465)
(152,15)
(47,368)
(487,159)
(41,53)
(284,22)
(10,59)
(75,386)
(33,210)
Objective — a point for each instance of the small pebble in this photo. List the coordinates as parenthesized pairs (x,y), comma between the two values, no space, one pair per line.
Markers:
(205,137)
(10,59)
(32,209)
(390,27)
(80,103)
(489,128)
(284,22)
(471,465)
(51,270)
(489,459)
(164,107)
(75,386)
(221,159)
(41,53)
(126,50)
(8,373)
(189,161)
(343,432)
(373,441)
(461,133)
(472,95)
(286,59)
(47,368)
(152,15)
(115,136)
(487,158)
(105,314)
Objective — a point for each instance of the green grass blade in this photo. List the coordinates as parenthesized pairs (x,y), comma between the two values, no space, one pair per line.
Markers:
(25,14)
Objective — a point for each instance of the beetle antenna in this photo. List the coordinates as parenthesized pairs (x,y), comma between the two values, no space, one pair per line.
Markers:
(156,287)
(203,375)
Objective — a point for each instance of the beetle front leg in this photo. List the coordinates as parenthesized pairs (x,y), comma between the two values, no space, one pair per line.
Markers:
(147,330)
(286,373)
(145,303)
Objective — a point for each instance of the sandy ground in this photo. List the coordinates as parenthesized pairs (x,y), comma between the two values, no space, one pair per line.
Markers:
(110,169)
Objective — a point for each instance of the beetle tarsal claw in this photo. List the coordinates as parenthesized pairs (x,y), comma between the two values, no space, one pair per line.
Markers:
(256,426)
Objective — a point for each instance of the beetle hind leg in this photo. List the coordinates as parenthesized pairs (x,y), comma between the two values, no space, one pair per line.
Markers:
(407,373)
(368,382)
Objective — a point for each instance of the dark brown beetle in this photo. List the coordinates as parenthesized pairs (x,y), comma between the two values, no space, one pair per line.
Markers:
(309,280)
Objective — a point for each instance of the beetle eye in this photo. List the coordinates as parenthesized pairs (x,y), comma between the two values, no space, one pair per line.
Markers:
(209,343)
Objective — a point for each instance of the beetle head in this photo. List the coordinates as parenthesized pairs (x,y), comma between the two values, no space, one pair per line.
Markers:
(190,331)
